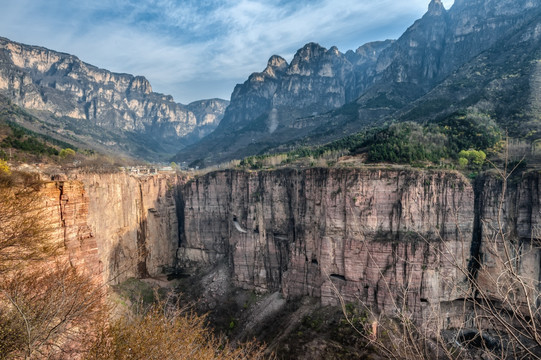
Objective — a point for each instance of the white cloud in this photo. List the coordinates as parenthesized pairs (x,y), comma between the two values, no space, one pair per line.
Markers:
(199,49)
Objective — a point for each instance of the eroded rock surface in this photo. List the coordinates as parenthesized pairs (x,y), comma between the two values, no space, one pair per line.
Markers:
(106,105)
(371,235)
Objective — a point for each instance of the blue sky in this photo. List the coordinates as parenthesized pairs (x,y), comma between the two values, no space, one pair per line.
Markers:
(200,49)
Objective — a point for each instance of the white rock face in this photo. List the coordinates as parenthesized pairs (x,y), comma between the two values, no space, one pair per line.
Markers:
(40,79)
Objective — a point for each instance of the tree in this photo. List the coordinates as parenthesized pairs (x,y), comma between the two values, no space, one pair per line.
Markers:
(47,306)
(48,311)
(25,234)
(66,153)
(4,167)
(475,157)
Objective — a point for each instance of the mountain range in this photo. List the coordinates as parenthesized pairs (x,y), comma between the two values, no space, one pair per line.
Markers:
(480,56)
(99,109)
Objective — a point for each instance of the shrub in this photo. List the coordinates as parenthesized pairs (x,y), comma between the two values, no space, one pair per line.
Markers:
(66,153)
(4,167)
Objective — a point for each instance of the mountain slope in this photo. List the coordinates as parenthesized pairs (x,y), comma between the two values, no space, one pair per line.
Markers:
(119,111)
(392,82)
(268,104)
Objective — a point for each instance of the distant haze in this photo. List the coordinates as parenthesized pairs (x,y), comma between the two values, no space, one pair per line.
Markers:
(196,49)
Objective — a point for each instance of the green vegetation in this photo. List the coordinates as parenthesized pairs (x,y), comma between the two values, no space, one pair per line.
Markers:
(27,143)
(66,153)
(18,138)
(462,139)
(327,153)
(474,157)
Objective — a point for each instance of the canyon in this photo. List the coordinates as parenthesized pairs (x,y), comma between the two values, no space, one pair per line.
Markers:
(377,235)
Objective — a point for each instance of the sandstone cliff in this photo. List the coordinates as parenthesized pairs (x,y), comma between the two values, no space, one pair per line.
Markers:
(115,225)
(389,238)
(373,235)
(98,102)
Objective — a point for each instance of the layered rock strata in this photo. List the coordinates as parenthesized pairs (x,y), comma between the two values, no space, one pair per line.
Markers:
(381,236)
(89,97)
(114,225)
(393,239)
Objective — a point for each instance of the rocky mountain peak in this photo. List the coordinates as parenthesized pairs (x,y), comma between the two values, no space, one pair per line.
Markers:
(140,84)
(436,8)
(307,57)
(308,52)
(120,112)
(276,64)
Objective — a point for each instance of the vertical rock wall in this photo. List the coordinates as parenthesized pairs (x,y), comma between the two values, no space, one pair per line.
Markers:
(381,236)
(116,225)
(508,250)
(391,238)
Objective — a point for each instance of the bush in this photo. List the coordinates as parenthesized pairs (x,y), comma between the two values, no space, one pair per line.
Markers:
(164,331)
(66,153)
(4,167)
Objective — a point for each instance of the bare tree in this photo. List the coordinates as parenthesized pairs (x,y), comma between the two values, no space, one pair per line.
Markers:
(52,307)
(25,235)
(46,306)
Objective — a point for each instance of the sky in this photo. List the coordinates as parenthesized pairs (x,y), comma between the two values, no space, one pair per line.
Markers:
(200,49)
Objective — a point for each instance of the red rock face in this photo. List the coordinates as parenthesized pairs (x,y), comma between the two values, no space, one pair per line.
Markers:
(66,208)
(116,226)
(380,236)
(393,239)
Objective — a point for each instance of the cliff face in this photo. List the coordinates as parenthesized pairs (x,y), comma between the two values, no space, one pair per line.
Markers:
(507,241)
(208,113)
(40,79)
(305,99)
(116,226)
(373,235)
(265,107)
(389,238)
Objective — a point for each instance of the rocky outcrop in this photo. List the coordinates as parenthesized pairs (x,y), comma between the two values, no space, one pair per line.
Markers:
(116,226)
(208,113)
(265,107)
(393,239)
(66,206)
(507,241)
(373,235)
(40,79)
(324,94)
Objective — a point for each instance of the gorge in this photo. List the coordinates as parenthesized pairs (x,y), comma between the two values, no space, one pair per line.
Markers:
(374,195)
(377,235)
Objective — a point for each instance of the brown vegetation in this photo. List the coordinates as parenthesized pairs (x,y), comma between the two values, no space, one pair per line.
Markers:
(50,309)
(165,331)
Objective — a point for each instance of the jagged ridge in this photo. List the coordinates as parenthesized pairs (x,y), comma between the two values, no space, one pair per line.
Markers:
(297,100)
(120,111)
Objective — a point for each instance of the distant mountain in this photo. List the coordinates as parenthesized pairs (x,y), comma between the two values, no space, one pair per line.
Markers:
(480,54)
(118,112)
(208,113)
(266,107)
